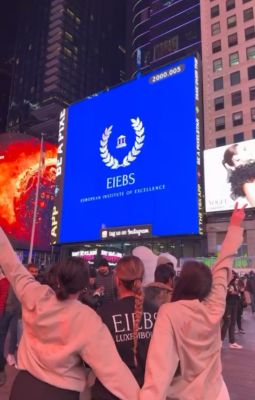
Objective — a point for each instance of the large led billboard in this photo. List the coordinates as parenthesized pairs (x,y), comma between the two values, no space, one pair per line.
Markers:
(130,157)
(229,173)
(19,162)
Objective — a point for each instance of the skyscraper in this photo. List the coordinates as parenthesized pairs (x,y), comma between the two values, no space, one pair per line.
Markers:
(228,42)
(5,86)
(66,50)
(162,31)
(8,24)
(228,48)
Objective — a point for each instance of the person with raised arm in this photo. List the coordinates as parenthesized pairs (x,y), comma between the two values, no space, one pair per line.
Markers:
(184,357)
(59,334)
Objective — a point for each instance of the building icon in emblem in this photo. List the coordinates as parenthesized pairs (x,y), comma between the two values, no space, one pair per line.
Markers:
(121,142)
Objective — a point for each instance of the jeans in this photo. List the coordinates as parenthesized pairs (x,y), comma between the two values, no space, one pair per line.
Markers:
(28,387)
(239,314)
(13,329)
(252,302)
(5,322)
(229,322)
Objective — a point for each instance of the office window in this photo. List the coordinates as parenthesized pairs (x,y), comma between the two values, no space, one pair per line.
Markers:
(145,14)
(235,78)
(251,72)
(231,21)
(219,103)
(253,114)
(253,133)
(232,40)
(217,65)
(215,11)
(250,53)
(234,58)
(219,123)
(215,28)
(248,14)
(216,46)
(236,98)
(238,137)
(249,32)
(221,141)
(230,4)
(67,52)
(165,47)
(237,118)
(69,36)
(218,83)
(252,93)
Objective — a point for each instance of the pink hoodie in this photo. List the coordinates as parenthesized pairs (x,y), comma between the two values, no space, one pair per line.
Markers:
(188,332)
(58,335)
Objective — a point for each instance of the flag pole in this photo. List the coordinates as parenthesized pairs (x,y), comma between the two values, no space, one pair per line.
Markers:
(36,202)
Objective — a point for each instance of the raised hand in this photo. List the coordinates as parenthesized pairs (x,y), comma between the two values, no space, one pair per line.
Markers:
(238,215)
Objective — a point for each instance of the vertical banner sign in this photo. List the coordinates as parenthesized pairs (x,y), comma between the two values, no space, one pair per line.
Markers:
(198,147)
(57,209)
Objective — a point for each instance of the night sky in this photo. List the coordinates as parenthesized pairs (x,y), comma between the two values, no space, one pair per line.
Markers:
(8,24)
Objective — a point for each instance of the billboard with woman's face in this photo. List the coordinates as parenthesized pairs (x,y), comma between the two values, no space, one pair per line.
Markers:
(230,176)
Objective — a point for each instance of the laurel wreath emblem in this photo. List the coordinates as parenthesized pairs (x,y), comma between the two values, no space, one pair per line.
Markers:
(112,162)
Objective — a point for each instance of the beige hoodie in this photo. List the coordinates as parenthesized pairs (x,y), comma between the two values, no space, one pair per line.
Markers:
(58,335)
(188,332)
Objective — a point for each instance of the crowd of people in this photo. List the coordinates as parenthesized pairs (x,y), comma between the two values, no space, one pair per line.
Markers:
(132,336)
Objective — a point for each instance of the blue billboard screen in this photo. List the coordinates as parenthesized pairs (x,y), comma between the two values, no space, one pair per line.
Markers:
(130,156)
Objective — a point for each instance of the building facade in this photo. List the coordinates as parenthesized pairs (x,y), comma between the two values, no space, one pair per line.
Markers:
(228,53)
(5,87)
(65,52)
(161,32)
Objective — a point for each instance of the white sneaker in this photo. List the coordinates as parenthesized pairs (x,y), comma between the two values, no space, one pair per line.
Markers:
(11,360)
(235,346)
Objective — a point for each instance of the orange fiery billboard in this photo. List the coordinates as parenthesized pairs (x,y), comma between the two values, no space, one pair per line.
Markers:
(19,163)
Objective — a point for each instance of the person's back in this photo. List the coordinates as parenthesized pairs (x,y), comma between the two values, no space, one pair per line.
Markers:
(198,344)
(60,333)
(157,293)
(186,340)
(52,335)
(120,318)
(160,291)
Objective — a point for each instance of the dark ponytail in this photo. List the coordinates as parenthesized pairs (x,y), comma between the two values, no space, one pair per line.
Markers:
(195,282)
(68,277)
(61,292)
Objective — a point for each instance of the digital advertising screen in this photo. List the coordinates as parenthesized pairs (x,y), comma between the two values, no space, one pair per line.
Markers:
(130,157)
(229,173)
(19,162)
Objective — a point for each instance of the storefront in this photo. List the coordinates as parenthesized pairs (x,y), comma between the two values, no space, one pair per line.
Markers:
(181,247)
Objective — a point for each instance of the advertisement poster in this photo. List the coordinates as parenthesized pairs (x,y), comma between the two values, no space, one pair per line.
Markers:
(19,161)
(229,173)
(130,157)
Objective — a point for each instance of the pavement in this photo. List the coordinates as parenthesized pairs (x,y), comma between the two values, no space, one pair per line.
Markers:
(238,365)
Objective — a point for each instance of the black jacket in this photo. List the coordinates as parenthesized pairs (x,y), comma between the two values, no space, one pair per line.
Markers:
(119,319)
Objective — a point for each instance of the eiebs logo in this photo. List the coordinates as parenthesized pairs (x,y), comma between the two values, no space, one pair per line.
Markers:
(113,162)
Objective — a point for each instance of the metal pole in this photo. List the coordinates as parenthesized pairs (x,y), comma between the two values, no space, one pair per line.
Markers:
(36,202)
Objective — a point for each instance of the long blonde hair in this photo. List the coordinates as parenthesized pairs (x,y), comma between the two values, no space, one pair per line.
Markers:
(130,271)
